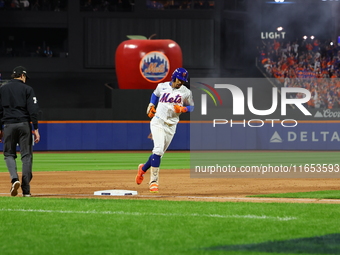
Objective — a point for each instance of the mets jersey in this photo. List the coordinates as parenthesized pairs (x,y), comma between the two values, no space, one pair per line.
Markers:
(168,97)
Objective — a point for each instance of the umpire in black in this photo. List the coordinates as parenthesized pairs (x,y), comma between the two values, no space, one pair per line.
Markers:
(18,112)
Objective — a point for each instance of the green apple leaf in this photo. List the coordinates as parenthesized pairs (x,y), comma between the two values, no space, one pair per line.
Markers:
(137,37)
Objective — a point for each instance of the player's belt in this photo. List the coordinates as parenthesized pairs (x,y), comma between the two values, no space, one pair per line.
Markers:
(164,121)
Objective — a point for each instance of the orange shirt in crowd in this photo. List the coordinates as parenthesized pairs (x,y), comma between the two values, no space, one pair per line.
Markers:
(309,47)
(276,45)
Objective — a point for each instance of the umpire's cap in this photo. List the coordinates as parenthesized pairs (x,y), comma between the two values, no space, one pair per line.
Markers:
(21,70)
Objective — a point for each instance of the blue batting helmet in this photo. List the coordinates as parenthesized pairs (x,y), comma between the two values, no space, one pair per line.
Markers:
(181,74)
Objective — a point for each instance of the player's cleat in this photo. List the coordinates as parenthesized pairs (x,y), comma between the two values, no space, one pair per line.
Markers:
(14,189)
(26,195)
(140,174)
(153,187)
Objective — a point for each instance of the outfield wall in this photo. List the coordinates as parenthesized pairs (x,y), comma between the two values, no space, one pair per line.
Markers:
(134,135)
(306,135)
(102,135)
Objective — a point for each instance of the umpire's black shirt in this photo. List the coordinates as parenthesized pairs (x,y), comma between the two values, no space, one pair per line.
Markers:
(18,103)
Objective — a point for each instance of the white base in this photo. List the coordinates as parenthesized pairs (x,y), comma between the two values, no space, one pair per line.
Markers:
(115,192)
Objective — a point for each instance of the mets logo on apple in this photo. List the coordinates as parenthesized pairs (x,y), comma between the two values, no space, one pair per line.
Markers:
(154,66)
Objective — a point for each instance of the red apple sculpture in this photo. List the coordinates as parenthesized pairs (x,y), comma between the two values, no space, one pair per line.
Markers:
(142,63)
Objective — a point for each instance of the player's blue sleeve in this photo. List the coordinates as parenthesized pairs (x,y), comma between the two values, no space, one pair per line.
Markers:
(154,99)
(190,108)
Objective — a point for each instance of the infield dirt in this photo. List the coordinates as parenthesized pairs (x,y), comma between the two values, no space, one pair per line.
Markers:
(174,185)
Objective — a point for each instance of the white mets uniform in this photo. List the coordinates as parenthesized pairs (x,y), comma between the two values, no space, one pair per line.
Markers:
(163,124)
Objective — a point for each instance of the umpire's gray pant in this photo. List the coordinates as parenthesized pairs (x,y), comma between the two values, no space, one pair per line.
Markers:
(19,133)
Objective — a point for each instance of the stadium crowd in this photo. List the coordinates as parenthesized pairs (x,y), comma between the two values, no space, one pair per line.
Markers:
(34,5)
(107,5)
(309,64)
(128,5)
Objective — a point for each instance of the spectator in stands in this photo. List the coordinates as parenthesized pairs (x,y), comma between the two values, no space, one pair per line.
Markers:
(39,52)
(154,5)
(295,47)
(316,45)
(15,4)
(24,4)
(48,52)
(309,47)
(276,46)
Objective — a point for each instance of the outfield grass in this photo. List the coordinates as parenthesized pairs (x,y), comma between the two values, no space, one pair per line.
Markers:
(173,160)
(70,161)
(323,194)
(274,158)
(97,226)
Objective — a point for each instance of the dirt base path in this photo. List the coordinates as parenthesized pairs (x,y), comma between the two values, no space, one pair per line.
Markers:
(174,185)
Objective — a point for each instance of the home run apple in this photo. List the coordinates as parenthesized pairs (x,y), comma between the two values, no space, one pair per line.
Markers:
(143,63)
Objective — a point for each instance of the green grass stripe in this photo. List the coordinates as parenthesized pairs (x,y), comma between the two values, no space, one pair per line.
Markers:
(113,226)
(324,194)
(70,161)
(275,158)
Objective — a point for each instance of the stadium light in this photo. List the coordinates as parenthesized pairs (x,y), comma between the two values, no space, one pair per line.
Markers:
(279,29)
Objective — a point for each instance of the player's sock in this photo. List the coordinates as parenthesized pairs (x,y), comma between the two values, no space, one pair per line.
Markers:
(147,165)
(156,160)
(154,175)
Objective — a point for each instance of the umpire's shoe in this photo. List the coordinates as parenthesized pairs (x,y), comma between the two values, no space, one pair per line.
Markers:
(140,174)
(14,189)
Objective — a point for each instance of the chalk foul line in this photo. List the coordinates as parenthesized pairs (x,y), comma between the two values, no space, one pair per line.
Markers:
(248,216)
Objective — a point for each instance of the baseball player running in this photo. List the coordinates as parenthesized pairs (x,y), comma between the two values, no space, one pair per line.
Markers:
(172,98)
